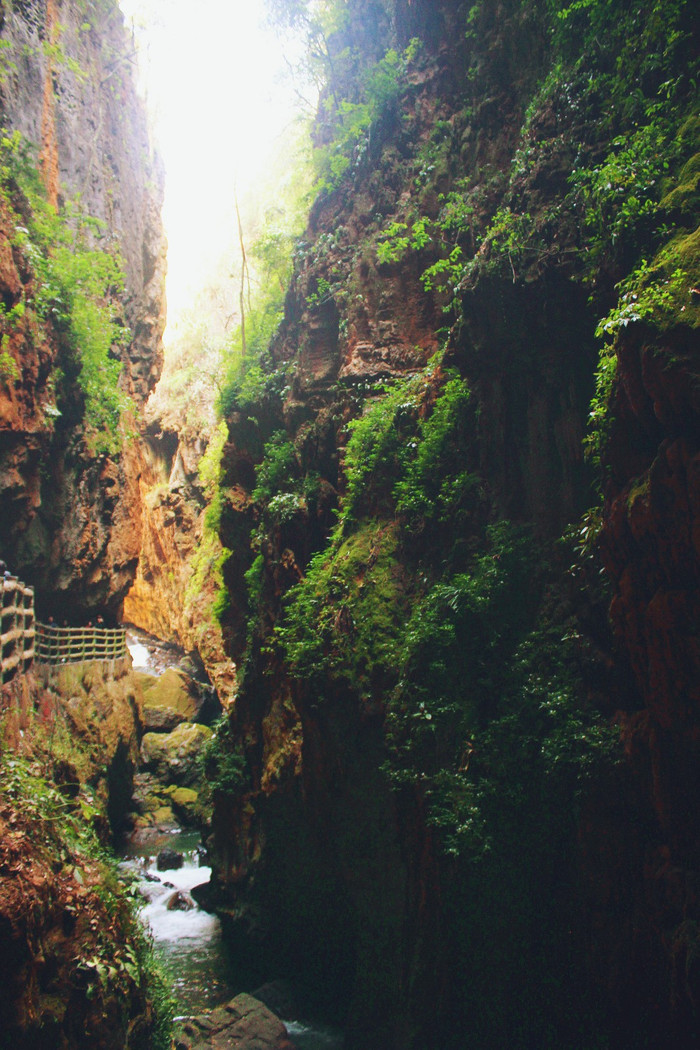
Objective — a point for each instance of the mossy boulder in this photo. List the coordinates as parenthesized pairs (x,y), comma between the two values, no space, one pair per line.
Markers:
(149,794)
(243,1022)
(175,758)
(164,818)
(186,805)
(172,699)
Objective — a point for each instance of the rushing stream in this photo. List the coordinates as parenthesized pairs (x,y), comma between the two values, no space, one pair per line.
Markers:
(151,655)
(189,941)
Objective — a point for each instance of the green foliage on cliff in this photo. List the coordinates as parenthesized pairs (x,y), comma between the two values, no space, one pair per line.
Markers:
(224,761)
(116,960)
(77,288)
(486,715)
(380,85)
(381,441)
(249,374)
(343,619)
(437,485)
(564,169)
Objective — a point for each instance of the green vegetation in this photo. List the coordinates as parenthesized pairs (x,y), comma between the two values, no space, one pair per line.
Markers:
(380,87)
(223,760)
(486,712)
(248,374)
(379,446)
(341,622)
(120,957)
(450,630)
(76,290)
(437,487)
(8,365)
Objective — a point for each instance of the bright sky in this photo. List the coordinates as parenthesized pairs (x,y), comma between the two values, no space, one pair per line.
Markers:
(218,102)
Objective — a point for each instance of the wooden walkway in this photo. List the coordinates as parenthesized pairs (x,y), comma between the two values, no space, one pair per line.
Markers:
(23,641)
(17,628)
(70,645)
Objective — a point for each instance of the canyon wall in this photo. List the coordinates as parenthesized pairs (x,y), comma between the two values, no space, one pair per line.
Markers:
(465,736)
(71,521)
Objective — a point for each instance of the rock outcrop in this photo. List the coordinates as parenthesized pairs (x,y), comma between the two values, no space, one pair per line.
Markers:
(174,589)
(71,524)
(243,1024)
(436,821)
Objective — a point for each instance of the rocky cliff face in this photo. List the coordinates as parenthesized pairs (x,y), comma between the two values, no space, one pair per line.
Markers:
(432,822)
(72,521)
(175,587)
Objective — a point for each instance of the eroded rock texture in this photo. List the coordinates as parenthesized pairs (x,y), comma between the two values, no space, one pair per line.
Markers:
(175,586)
(71,520)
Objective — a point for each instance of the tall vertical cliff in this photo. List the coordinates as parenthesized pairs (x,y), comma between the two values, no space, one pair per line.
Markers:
(70,111)
(460,498)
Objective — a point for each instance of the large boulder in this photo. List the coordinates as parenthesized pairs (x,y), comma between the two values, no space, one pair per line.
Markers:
(243,1024)
(176,758)
(169,860)
(174,698)
(186,805)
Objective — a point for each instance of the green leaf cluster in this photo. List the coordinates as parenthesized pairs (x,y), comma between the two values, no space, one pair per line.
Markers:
(279,470)
(223,760)
(486,713)
(381,441)
(342,621)
(380,86)
(436,486)
(78,285)
(64,832)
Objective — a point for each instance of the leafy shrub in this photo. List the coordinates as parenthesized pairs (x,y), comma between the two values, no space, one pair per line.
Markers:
(279,470)
(381,85)
(395,241)
(341,623)
(620,196)
(224,761)
(63,833)
(645,294)
(78,285)
(8,365)
(380,442)
(486,710)
(433,485)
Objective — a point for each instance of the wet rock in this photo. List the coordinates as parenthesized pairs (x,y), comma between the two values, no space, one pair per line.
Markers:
(169,860)
(149,795)
(179,901)
(243,1024)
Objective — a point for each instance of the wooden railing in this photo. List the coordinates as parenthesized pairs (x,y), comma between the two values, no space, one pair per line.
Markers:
(22,640)
(69,645)
(17,629)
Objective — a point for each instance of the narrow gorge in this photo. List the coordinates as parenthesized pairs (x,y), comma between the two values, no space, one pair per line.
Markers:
(412,505)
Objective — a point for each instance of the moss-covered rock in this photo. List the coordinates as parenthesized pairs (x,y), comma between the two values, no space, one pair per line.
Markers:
(176,758)
(186,804)
(172,699)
